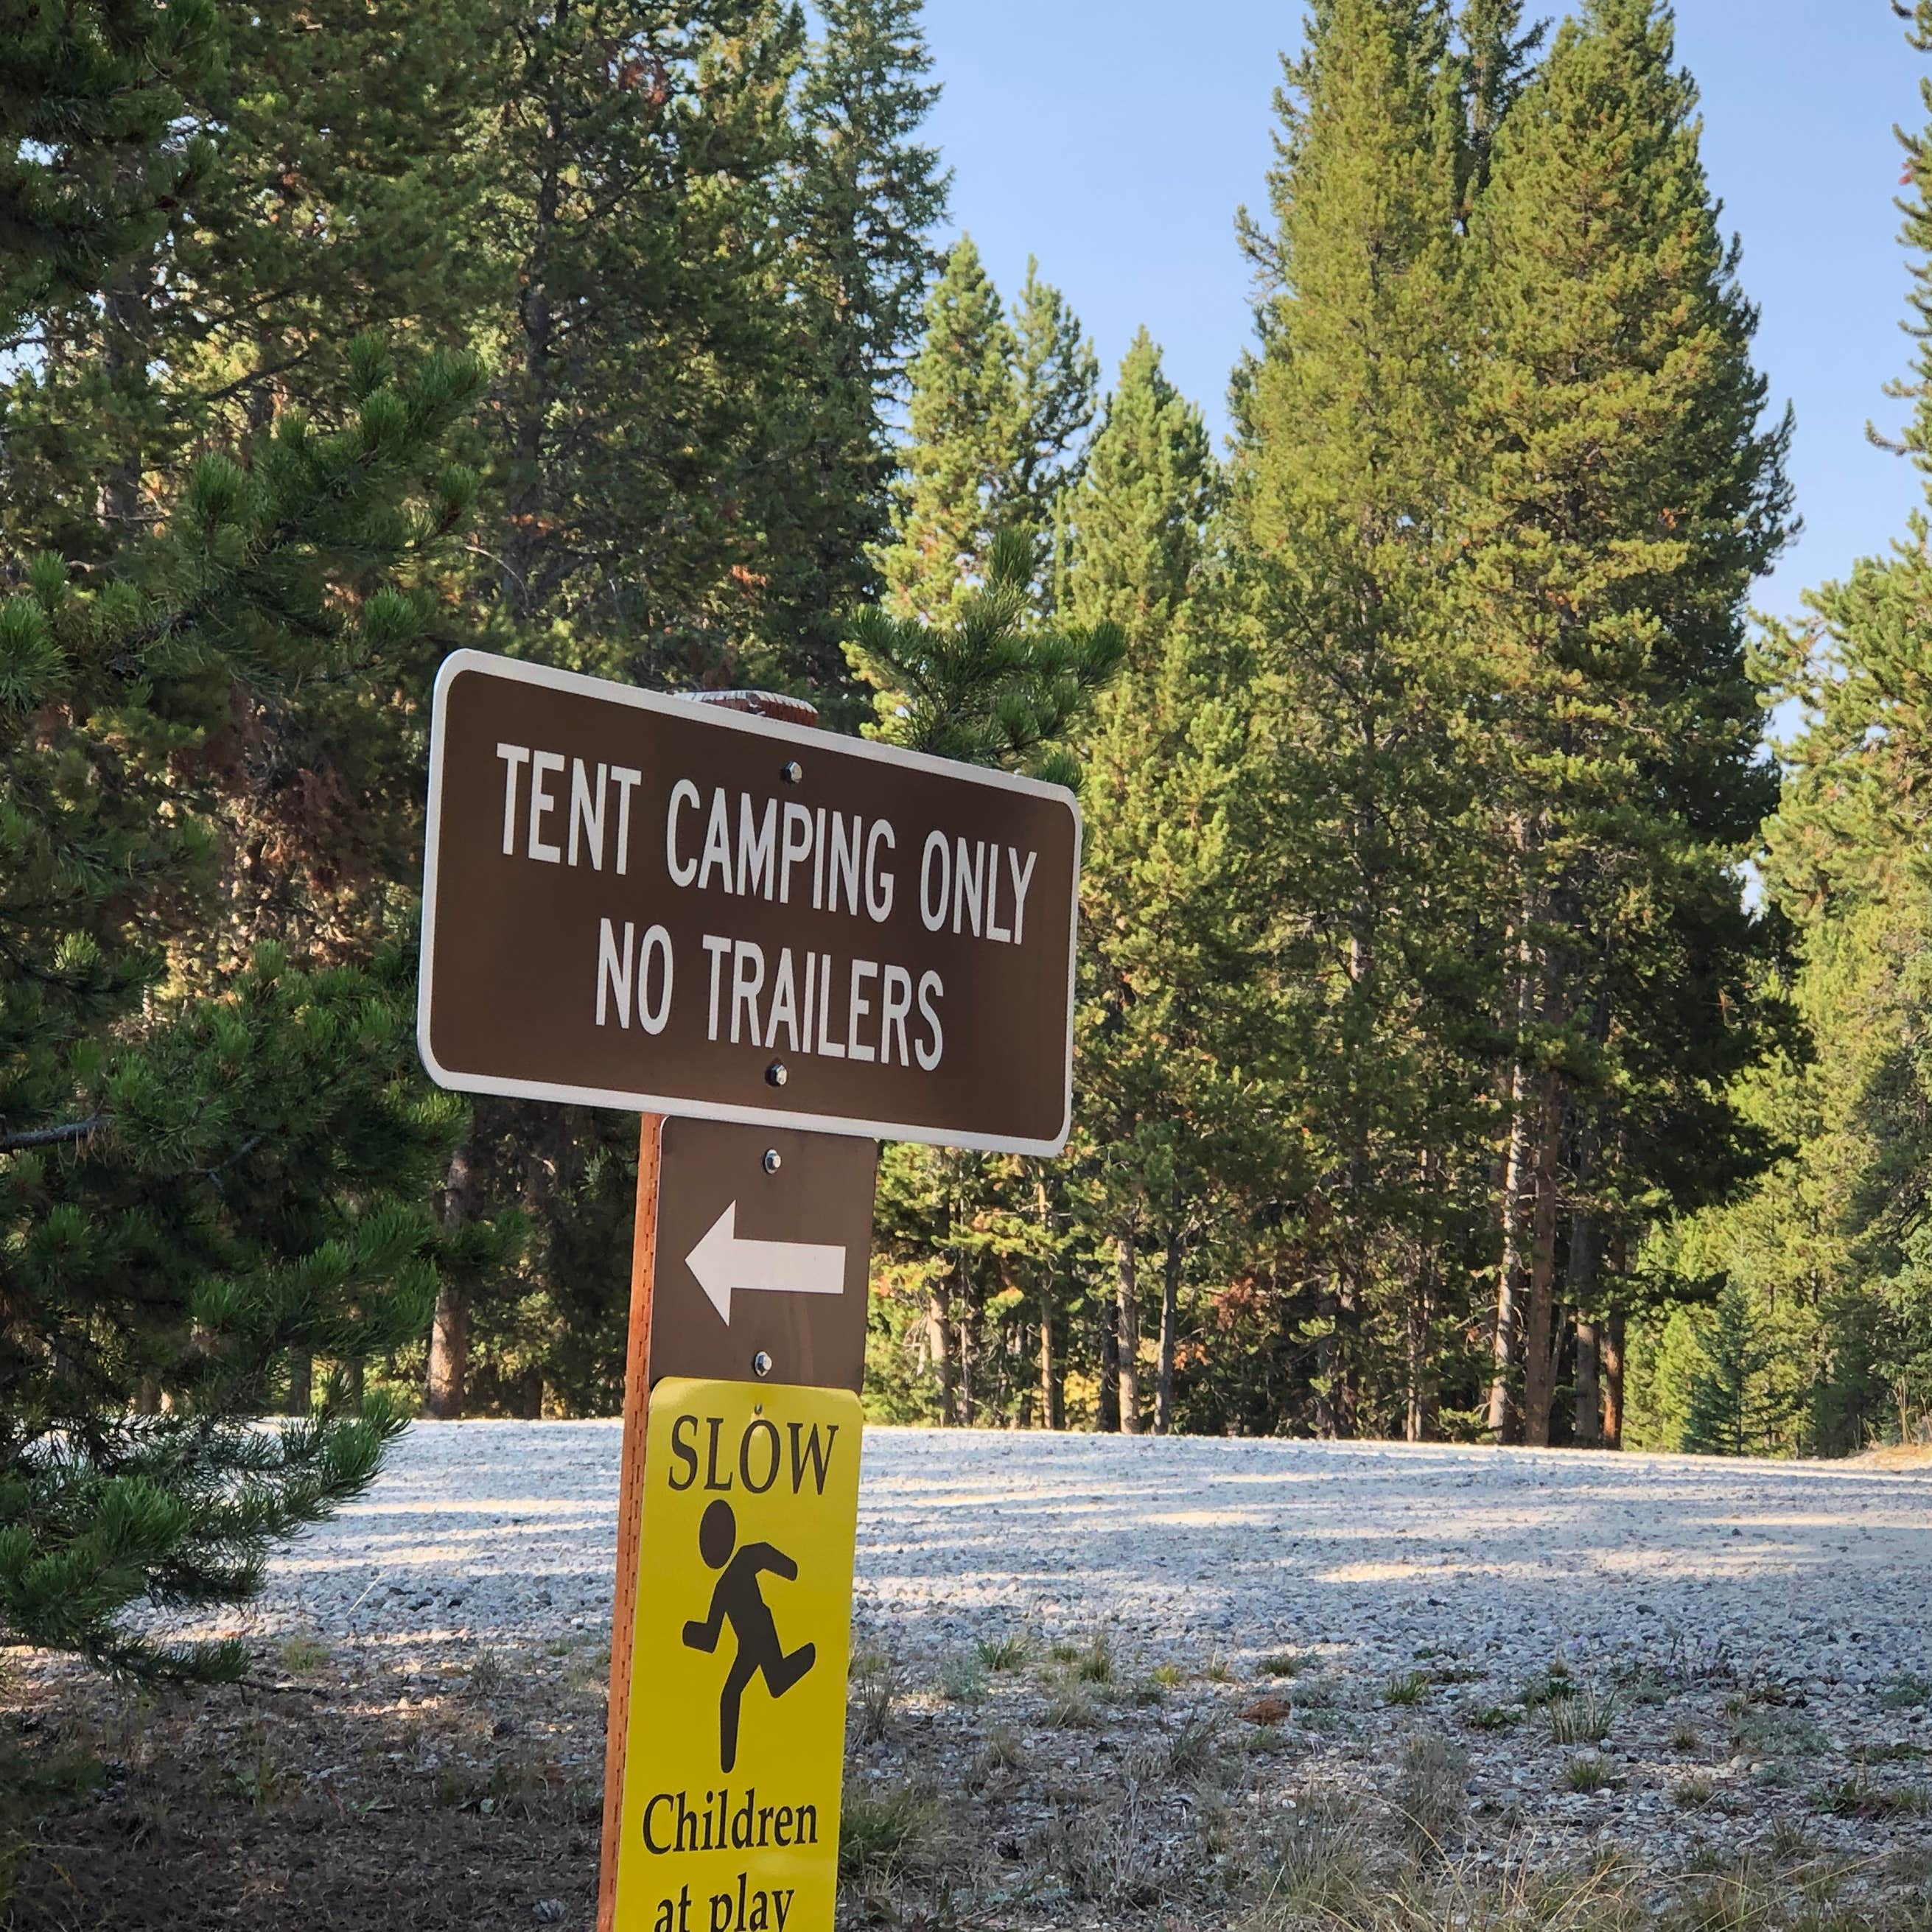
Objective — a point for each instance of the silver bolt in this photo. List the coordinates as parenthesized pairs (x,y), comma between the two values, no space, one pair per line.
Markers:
(791,771)
(775,1073)
(773,1160)
(761,1364)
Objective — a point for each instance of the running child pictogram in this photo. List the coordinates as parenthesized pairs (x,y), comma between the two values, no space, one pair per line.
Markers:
(739,1599)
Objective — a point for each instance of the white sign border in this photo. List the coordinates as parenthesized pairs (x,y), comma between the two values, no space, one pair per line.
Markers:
(794,736)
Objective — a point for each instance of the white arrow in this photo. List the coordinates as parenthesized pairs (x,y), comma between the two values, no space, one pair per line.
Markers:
(722,1262)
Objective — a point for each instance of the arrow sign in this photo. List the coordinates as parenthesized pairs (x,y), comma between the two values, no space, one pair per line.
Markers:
(722,1262)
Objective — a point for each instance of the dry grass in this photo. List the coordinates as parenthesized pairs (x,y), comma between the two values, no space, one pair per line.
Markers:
(1010,1652)
(1585,1718)
(1093,1662)
(302,1654)
(1429,1796)
(1070,1707)
(886,1837)
(1316,1869)
(877,1686)
(962,1680)
(1106,1854)
(1908,1691)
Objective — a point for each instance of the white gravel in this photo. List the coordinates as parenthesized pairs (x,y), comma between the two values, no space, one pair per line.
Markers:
(501,1534)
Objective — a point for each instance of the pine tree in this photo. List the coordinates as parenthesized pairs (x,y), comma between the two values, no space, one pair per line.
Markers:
(191,1190)
(1828,1247)
(1727,1411)
(1058,379)
(997,405)
(636,174)
(101,149)
(1163,936)
(872,192)
(991,687)
(1137,521)
(1349,429)
(186,1200)
(1496,51)
(966,419)
(1627,498)
(865,195)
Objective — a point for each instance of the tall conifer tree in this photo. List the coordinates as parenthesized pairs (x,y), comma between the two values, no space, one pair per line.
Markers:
(998,405)
(1161,943)
(966,419)
(1628,495)
(192,1190)
(865,194)
(636,173)
(1348,425)
(1830,1248)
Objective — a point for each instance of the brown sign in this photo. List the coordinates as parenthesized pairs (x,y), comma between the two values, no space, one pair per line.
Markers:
(630,901)
(763,1248)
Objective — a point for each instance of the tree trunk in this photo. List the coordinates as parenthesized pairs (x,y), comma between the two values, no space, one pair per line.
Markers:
(523,542)
(1505,1350)
(1519,1167)
(972,1346)
(302,1382)
(1049,1381)
(1423,1405)
(1127,1303)
(1170,1319)
(449,1355)
(449,1333)
(125,311)
(354,1382)
(1336,1415)
(1586,1250)
(1109,1398)
(1348,1351)
(1327,1311)
(1611,1345)
(1539,1354)
(1589,1422)
(936,1314)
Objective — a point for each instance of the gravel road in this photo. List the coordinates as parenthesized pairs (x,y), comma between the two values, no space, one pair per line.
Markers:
(502,1534)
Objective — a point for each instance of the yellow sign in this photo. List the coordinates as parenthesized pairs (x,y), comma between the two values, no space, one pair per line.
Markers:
(737,1743)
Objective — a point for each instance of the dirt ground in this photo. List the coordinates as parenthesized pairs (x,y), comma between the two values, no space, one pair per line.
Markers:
(1023,1783)
(316,1795)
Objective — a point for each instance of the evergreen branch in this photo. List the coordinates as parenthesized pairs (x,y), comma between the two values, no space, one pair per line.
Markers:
(71,1130)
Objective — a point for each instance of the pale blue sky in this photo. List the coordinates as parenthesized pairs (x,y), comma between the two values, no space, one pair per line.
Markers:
(1114,139)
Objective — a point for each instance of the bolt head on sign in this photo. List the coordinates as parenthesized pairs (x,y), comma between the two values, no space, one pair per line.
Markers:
(630,901)
(735,1753)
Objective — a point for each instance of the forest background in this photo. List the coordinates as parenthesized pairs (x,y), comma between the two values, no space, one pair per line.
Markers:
(1485,1031)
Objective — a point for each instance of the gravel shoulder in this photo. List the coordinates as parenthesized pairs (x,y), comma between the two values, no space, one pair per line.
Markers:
(503,1533)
